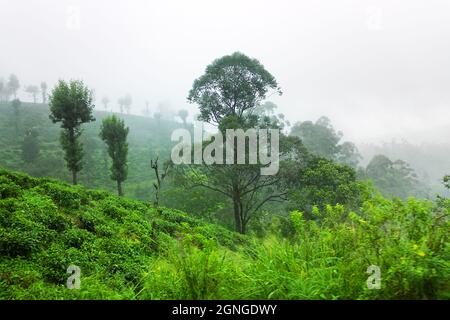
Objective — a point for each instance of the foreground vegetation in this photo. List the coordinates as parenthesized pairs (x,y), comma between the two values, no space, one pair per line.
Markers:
(311,223)
(127,249)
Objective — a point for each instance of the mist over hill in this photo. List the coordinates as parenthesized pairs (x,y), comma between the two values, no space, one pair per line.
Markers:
(226,150)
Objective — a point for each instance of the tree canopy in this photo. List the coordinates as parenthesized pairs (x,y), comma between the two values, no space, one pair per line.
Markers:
(114,133)
(71,104)
(230,86)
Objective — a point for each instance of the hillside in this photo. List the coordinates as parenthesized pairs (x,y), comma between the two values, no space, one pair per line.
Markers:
(45,226)
(148,139)
(127,249)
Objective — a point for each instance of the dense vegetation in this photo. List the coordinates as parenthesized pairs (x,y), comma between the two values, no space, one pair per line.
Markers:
(128,249)
(314,228)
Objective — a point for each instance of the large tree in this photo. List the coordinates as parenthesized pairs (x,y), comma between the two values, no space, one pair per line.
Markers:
(2,88)
(394,178)
(227,94)
(322,140)
(33,91)
(5,91)
(230,86)
(114,132)
(146,110)
(72,105)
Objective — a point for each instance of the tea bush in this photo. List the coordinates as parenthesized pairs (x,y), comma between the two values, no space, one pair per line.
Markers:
(127,249)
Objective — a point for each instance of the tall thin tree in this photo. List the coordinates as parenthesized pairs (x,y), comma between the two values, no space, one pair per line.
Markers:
(44,91)
(114,132)
(72,105)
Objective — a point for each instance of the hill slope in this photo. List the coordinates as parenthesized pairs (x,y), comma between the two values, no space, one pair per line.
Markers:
(127,249)
(46,226)
(148,138)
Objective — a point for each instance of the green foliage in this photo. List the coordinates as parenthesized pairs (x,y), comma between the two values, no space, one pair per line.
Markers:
(230,86)
(71,104)
(45,226)
(323,182)
(447,181)
(62,195)
(8,189)
(129,250)
(114,133)
(325,259)
(30,146)
(321,139)
(13,84)
(394,178)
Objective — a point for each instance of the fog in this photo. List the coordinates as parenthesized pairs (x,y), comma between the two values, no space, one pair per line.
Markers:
(378,69)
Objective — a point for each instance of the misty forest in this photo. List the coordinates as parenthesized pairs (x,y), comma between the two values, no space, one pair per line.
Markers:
(99,191)
(88,183)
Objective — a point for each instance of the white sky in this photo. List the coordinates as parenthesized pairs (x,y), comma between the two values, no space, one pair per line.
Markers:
(378,69)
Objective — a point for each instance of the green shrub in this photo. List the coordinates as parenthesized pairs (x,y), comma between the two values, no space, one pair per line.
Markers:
(90,220)
(57,258)
(113,210)
(17,243)
(41,209)
(21,236)
(8,189)
(64,196)
(75,237)
(127,249)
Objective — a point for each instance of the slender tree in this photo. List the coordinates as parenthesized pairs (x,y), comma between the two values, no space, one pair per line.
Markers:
(16,103)
(72,105)
(33,91)
(160,174)
(157,116)
(5,91)
(44,91)
(114,133)
(121,103)
(13,85)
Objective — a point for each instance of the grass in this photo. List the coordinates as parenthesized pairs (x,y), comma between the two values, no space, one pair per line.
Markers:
(127,249)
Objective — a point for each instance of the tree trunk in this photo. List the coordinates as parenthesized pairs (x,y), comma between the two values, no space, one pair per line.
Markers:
(119,188)
(237,216)
(74,177)
(157,197)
